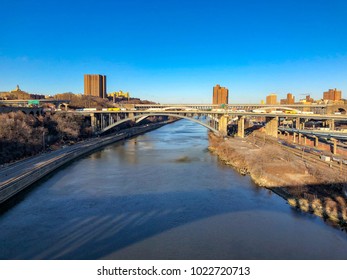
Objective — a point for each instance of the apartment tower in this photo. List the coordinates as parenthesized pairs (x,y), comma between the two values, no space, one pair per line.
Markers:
(220,95)
(271,99)
(290,98)
(95,85)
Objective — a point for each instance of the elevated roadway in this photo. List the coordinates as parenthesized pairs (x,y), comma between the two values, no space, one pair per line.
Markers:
(342,136)
(102,121)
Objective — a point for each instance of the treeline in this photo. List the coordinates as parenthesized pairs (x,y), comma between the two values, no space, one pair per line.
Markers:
(86,101)
(24,135)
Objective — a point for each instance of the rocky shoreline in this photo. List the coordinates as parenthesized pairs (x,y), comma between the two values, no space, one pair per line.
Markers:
(304,185)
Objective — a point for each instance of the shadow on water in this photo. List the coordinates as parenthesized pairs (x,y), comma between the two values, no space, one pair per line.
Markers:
(95,228)
(327,201)
(101,228)
(7,205)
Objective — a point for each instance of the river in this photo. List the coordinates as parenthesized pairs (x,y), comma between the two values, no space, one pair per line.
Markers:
(161,195)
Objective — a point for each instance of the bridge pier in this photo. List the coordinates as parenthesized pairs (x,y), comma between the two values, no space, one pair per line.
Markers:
(331,124)
(223,125)
(102,121)
(271,126)
(93,123)
(241,127)
(334,145)
(297,123)
(131,115)
(294,137)
(316,141)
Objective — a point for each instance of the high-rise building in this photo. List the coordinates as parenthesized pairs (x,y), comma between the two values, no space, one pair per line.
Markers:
(271,99)
(95,85)
(220,95)
(332,94)
(289,100)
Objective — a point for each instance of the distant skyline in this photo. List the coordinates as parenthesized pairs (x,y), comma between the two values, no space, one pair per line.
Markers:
(176,51)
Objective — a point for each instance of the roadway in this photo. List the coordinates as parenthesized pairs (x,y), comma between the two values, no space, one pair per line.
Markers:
(319,133)
(191,105)
(309,154)
(16,176)
(12,171)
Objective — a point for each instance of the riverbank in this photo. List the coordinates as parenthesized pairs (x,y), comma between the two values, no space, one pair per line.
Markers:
(18,176)
(306,185)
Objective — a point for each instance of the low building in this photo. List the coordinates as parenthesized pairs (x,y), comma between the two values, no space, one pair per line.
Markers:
(120,94)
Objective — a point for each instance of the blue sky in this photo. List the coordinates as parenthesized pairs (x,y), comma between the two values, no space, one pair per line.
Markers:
(175,50)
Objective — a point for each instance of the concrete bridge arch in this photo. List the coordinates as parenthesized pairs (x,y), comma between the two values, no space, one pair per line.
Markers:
(334,108)
(144,116)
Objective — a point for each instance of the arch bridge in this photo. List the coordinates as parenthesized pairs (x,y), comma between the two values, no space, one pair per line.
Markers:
(105,122)
(218,120)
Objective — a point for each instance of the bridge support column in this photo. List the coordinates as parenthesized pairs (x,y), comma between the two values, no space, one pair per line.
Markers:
(93,123)
(294,137)
(300,137)
(131,115)
(241,127)
(223,125)
(316,142)
(305,140)
(102,121)
(271,126)
(334,145)
(297,123)
(331,124)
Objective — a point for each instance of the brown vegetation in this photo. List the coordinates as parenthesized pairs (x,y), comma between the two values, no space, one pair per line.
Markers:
(308,186)
(24,135)
(86,101)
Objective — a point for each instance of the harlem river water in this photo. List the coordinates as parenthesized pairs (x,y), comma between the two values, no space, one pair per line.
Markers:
(161,195)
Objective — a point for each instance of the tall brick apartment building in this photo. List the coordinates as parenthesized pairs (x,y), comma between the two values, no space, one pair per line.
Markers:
(95,85)
(220,95)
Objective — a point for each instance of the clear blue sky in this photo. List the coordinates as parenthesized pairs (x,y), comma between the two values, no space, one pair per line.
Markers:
(176,50)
